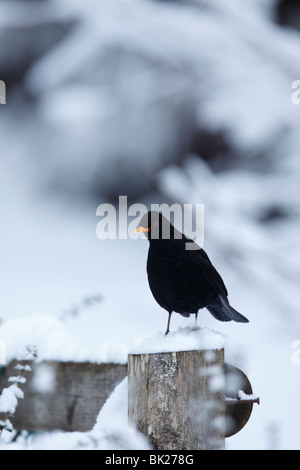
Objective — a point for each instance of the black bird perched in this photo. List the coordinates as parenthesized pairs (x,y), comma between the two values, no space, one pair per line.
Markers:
(183,280)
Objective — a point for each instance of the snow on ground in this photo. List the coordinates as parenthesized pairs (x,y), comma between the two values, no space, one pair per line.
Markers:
(110,432)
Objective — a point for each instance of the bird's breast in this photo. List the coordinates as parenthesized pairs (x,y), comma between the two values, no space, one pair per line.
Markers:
(175,283)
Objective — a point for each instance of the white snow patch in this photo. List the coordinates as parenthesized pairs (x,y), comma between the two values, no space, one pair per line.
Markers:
(9,398)
(53,341)
(191,338)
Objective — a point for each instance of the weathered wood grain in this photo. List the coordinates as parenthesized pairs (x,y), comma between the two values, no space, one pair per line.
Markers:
(63,395)
(177,399)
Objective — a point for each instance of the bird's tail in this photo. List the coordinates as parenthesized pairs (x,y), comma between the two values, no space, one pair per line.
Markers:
(221,310)
(238,317)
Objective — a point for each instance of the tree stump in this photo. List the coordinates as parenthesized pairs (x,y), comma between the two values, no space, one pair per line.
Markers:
(177,399)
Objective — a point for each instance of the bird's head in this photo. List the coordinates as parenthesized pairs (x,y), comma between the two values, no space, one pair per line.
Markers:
(156,227)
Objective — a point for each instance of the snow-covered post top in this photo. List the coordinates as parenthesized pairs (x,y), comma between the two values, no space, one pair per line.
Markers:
(182,395)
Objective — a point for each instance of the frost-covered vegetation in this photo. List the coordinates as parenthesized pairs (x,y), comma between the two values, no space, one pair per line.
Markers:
(11,395)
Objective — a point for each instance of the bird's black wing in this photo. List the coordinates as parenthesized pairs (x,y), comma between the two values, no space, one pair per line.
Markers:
(220,308)
(213,276)
(208,269)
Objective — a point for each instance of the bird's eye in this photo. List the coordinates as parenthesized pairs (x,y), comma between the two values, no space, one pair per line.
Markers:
(155,224)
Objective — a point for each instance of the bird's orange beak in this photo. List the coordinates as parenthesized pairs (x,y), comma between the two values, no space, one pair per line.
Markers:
(143,229)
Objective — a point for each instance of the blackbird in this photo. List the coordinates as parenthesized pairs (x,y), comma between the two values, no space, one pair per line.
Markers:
(182,279)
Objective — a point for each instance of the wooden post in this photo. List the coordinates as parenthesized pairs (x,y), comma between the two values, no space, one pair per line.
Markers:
(177,399)
(63,395)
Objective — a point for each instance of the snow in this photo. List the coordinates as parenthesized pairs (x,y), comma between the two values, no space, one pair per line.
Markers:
(54,342)
(9,398)
(26,367)
(159,85)
(53,262)
(191,338)
(244,396)
(111,431)
(17,379)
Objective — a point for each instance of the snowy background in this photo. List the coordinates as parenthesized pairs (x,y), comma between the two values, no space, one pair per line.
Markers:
(162,101)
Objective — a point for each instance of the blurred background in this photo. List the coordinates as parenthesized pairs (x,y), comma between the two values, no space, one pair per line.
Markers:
(162,101)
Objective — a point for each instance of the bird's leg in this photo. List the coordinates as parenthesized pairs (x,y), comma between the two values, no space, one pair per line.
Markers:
(196,316)
(168,325)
